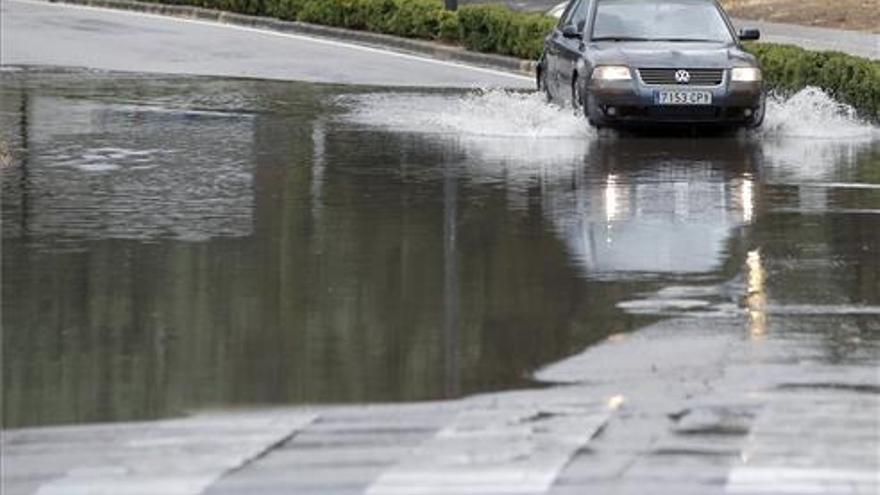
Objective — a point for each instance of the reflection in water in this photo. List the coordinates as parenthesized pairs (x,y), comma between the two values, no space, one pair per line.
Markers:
(747,198)
(345,277)
(756,297)
(176,243)
(638,218)
(119,171)
(615,402)
(612,201)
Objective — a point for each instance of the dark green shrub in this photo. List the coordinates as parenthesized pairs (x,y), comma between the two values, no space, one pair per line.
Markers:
(408,18)
(379,14)
(350,14)
(416,19)
(450,30)
(482,26)
(287,10)
(531,30)
(495,28)
(251,7)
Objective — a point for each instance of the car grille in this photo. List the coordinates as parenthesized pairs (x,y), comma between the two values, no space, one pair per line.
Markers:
(666,77)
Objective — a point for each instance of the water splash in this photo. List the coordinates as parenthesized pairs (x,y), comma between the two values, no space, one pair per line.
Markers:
(503,135)
(491,113)
(810,136)
(812,113)
(804,135)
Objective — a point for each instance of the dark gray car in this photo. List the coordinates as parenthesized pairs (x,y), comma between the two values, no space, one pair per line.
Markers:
(638,62)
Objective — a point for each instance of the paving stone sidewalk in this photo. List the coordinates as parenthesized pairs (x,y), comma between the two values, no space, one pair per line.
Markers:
(686,406)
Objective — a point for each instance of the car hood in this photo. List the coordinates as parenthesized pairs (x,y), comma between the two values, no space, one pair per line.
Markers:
(665,54)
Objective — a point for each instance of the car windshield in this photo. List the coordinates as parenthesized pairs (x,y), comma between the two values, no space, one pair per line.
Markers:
(666,20)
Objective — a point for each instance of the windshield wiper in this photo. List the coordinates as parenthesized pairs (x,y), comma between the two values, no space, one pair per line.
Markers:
(620,38)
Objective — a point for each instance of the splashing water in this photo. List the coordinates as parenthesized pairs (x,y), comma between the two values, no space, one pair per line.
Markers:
(809,135)
(506,131)
(803,134)
(492,113)
(812,113)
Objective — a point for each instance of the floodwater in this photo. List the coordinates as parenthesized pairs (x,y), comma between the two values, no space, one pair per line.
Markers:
(176,243)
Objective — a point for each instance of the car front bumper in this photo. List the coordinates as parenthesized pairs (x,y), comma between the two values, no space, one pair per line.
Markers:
(633,102)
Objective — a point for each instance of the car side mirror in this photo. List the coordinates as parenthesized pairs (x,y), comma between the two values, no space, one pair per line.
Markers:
(570,31)
(749,34)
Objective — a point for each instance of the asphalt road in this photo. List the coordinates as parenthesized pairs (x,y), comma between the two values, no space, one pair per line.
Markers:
(38,33)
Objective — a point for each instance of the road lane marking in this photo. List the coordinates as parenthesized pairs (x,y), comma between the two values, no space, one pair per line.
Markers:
(300,37)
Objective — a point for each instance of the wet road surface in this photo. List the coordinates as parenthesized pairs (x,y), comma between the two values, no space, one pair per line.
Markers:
(705,309)
(175,243)
(41,33)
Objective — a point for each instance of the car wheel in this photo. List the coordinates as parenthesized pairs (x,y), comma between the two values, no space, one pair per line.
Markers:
(758,114)
(544,86)
(584,106)
(577,99)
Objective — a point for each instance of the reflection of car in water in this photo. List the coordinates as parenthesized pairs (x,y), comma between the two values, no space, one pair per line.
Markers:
(624,62)
(647,206)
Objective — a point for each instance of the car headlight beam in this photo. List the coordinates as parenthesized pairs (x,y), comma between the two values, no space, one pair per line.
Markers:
(612,73)
(746,74)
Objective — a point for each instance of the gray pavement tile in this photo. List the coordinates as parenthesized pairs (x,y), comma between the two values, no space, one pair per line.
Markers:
(509,446)
(789,450)
(179,456)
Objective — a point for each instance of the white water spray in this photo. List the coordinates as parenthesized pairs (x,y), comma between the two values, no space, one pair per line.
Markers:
(804,135)
(812,113)
(505,132)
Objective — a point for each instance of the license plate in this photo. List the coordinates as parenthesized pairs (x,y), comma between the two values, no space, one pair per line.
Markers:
(682,98)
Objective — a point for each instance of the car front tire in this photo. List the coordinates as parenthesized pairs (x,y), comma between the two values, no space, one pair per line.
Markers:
(585,105)
(543,86)
(758,114)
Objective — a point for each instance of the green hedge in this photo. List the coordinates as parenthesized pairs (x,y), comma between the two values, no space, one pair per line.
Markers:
(497,29)
(849,79)
(407,18)
(486,28)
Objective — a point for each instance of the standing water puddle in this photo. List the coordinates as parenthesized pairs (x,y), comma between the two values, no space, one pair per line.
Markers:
(178,243)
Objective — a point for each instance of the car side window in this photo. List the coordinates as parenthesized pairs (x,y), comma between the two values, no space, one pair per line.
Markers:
(568,15)
(580,14)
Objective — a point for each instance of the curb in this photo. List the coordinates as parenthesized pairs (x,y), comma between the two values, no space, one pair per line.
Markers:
(376,40)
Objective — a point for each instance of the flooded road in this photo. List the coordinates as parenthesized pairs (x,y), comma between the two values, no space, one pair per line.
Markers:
(176,243)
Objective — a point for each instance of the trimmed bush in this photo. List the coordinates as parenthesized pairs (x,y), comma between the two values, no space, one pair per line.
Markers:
(848,79)
(407,18)
(287,10)
(416,19)
(351,14)
(450,29)
(497,29)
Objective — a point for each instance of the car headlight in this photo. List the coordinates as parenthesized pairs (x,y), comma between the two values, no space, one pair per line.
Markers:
(612,73)
(746,74)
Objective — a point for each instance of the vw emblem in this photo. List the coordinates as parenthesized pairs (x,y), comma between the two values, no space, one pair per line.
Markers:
(682,77)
